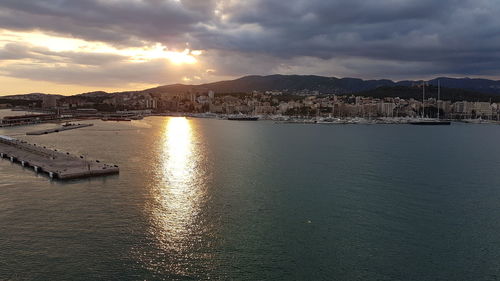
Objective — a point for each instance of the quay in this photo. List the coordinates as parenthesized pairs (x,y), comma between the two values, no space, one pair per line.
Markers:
(56,164)
(30,119)
(59,129)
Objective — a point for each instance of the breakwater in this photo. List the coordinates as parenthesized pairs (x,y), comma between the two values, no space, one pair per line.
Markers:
(54,163)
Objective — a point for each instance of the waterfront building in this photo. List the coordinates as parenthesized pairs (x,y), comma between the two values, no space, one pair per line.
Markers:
(462,109)
(151,103)
(386,109)
(49,101)
(483,109)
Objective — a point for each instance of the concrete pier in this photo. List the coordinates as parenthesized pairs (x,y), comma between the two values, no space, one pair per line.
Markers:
(55,164)
(60,129)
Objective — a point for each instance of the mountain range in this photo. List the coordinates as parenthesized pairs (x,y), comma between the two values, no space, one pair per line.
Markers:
(293,83)
(328,85)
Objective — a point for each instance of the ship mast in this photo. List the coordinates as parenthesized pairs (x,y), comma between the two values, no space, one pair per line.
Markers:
(423,98)
(439,93)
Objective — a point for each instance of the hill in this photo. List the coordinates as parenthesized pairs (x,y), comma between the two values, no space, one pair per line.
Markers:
(327,85)
(466,88)
(32,96)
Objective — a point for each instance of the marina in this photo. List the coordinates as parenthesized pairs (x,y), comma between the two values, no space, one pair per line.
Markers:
(54,163)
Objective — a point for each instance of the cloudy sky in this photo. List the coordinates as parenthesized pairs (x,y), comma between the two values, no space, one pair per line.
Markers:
(73,46)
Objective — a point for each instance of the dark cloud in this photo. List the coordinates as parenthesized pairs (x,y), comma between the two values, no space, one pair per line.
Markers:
(363,38)
(119,22)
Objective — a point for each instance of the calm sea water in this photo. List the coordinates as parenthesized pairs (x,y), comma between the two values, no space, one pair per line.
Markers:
(201,199)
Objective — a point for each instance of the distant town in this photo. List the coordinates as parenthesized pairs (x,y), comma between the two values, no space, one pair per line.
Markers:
(266,105)
(382,105)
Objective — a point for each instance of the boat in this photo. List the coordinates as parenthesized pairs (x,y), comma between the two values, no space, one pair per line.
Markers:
(203,115)
(429,121)
(242,117)
(247,118)
(116,119)
(330,121)
(477,121)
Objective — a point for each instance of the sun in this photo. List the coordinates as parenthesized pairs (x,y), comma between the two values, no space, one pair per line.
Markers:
(159,51)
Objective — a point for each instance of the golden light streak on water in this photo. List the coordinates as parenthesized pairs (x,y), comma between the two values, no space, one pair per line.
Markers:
(178,193)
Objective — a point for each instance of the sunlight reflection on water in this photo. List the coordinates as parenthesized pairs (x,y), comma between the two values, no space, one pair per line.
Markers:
(179,192)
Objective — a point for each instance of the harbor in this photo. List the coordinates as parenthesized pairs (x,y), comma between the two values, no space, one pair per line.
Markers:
(54,163)
(176,165)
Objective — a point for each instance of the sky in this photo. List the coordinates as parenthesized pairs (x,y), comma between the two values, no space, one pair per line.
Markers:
(74,46)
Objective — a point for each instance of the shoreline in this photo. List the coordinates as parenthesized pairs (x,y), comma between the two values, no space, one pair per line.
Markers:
(279,119)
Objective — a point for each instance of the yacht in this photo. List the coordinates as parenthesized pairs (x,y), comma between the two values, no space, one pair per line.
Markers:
(242,117)
(430,121)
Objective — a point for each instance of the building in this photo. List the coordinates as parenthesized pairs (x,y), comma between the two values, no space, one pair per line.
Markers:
(462,109)
(386,109)
(483,109)
(27,119)
(151,103)
(49,101)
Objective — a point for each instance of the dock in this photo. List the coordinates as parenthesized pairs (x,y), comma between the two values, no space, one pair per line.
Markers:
(54,163)
(59,129)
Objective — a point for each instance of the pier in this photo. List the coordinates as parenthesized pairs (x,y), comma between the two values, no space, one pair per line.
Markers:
(55,164)
(59,129)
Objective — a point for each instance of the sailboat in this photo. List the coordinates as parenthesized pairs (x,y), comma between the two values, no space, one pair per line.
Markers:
(430,121)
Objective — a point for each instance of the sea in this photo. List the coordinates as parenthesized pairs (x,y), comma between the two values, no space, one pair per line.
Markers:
(207,199)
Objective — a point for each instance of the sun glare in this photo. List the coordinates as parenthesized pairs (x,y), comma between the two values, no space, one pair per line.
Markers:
(160,51)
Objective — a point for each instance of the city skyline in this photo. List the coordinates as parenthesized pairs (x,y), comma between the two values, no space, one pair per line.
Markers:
(73,47)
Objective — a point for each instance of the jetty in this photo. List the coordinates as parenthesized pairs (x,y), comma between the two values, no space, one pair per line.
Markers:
(59,129)
(54,163)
